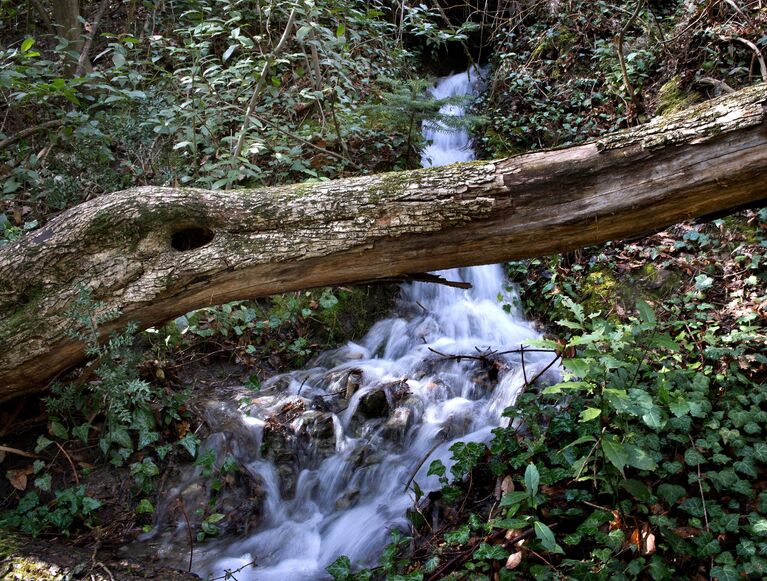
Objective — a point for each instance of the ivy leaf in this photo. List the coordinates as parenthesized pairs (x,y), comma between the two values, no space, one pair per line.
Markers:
(653,418)
(725,573)
(340,569)
(487,551)
(57,429)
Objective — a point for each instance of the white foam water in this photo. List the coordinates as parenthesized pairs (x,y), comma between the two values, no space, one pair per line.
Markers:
(346,498)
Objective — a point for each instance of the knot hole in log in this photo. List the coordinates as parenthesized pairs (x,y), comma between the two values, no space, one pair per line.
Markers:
(191,238)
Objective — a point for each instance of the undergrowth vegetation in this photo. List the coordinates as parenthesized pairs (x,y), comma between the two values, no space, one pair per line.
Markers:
(648,460)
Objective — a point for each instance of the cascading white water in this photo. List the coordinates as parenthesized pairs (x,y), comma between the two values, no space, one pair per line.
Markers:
(369,418)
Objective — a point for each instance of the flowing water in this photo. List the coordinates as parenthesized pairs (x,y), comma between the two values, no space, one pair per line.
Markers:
(335,448)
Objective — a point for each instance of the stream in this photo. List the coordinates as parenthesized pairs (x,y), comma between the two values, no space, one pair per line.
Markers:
(332,451)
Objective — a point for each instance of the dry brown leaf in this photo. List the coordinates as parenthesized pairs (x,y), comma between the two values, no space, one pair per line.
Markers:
(507,484)
(18,478)
(514,560)
(648,545)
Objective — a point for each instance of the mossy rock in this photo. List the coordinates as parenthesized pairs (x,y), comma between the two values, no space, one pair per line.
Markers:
(672,98)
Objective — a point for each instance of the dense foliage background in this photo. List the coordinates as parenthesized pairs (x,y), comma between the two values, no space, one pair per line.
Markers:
(647,461)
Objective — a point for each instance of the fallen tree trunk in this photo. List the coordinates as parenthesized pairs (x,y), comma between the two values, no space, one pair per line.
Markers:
(154,253)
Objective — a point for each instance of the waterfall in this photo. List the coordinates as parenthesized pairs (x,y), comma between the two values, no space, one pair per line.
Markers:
(368,419)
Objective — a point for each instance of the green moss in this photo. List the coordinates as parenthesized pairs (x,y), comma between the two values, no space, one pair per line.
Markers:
(26,312)
(672,97)
(600,291)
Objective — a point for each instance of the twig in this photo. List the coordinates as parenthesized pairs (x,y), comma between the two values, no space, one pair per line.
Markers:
(622,61)
(230,572)
(700,488)
(306,142)
(47,23)
(180,502)
(757,54)
(100,564)
(716,83)
(522,357)
(30,131)
(18,452)
(261,82)
(417,468)
(83,58)
(72,464)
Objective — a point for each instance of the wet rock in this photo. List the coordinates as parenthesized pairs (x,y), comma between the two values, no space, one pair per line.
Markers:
(398,424)
(373,404)
(318,425)
(279,446)
(347,499)
(353,381)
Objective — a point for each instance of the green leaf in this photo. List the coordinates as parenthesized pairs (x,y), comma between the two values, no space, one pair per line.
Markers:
(638,458)
(43,483)
(558,387)
(215,517)
(646,312)
(121,437)
(546,536)
(653,418)
(27,44)
(340,569)
(510,523)
(487,551)
(725,573)
(228,52)
(636,489)
(90,504)
(301,34)
(190,442)
(340,30)
(760,451)
(532,479)
(703,282)
(118,59)
(57,429)
(513,498)
(42,444)
(671,493)
(82,432)
(145,507)
(615,452)
(589,414)
(578,367)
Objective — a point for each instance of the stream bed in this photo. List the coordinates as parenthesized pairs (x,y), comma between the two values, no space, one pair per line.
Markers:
(328,455)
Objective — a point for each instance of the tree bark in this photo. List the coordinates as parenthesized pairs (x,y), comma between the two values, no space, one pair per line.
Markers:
(66,15)
(154,253)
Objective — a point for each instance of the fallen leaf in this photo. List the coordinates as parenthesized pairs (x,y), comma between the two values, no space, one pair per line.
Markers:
(648,545)
(514,560)
(507,484)
(18,478)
